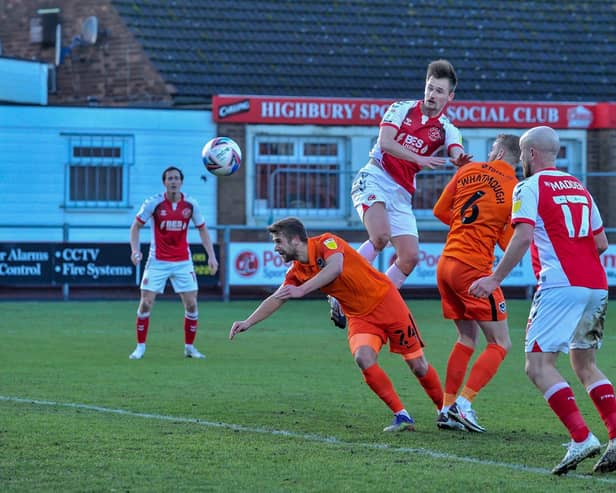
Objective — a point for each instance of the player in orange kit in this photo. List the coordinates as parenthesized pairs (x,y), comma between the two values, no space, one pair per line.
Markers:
(476,205)
(375,309)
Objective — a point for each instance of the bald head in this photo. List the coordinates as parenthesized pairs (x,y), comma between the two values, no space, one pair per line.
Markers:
(539,146)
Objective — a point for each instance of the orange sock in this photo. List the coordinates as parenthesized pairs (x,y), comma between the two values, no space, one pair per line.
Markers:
(381,385)
(456,369)
(432,385)
(483,370)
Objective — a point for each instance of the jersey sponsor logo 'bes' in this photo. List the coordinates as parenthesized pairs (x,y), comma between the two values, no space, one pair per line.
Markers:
(173,225)
(411,142)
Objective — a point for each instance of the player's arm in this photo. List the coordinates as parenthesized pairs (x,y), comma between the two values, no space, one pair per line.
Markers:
(332,269)
(388,144)
(443,209)
(520,241)
(505,236)
(135,251)
(268,306)
(458,156)
(601,241)
(206,241)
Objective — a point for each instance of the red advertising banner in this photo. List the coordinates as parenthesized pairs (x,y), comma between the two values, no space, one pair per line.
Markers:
(464,114)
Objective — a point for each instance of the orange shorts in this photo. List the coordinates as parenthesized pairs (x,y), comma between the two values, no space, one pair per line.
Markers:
(391,321)
(453,279)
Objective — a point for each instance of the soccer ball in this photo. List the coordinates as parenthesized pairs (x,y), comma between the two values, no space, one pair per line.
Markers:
(221,156)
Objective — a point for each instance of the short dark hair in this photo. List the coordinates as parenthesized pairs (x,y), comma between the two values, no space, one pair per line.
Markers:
(442,69)
(511,145)
(289,227)
(173,168)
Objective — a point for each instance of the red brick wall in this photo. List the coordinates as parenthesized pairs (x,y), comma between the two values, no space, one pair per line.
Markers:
(231,189)
(114,72)
(601,157)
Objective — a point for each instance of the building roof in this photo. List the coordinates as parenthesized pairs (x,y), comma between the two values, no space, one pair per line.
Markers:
(507,50)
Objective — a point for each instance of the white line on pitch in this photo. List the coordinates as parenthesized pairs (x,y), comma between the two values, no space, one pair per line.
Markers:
(303,436)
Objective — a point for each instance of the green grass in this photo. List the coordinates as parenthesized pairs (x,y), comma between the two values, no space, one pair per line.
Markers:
(280,408)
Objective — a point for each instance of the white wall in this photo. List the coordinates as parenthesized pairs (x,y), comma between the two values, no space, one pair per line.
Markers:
(34,151)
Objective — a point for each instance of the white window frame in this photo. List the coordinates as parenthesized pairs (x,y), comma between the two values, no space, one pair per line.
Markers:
(354,145)
(124,161)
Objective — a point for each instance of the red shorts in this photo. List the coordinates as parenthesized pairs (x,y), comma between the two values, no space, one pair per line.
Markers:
(391,321)
(453,279)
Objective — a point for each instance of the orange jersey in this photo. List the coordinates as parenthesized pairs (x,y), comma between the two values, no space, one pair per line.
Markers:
(476,204)
(358,289)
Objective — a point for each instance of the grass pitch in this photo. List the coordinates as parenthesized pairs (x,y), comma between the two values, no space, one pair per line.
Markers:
(280,408)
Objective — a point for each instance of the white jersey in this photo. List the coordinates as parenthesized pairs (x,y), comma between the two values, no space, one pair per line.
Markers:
(566,220)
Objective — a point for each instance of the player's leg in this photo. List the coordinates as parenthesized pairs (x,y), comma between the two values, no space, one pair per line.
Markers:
(449,275)
(404,338)
(184,282)
(459,358)
(404,236)
(483,370)
(407,256)
(191,321)
(601,392)
(371,190)
(142,324)
(587,339)
(541,369)
(153,282)
(554,316)
(365,348)
(376,221)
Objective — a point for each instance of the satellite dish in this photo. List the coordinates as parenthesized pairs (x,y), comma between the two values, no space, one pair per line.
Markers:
(89,33)
(89,30)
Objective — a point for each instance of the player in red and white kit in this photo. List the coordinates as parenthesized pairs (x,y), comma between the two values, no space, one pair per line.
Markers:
(554,211)
(170,258)
(411,135)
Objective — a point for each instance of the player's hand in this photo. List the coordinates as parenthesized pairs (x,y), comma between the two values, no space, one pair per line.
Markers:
(212,263)
(288,291)
(136,257)
(483,287)
(462,159)
(431,162)
(237,327)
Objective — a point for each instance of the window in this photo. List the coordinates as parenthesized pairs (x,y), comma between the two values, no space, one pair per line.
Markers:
(97,170)
(299,173)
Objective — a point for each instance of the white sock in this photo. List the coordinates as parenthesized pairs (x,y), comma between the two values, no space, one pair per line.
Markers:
(141,345)
(367,250)
(463,403)
(396,275)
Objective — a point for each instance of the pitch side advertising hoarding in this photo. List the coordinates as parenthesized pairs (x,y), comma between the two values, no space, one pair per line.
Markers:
(102,264)
(257,264)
